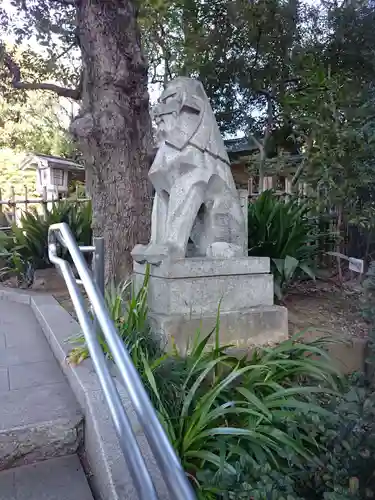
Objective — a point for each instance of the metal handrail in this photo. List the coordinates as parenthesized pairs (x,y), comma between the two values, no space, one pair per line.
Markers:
(170,466)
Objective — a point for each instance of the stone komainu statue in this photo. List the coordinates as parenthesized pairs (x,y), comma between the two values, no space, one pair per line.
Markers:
(196,209)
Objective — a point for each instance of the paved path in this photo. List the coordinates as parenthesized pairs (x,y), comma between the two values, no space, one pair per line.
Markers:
(56,479)
(39,416)
(26,361)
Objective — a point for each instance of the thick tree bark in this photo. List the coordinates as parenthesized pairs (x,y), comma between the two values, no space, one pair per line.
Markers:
(114,128)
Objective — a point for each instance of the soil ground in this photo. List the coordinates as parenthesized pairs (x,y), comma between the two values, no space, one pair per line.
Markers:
(327,307)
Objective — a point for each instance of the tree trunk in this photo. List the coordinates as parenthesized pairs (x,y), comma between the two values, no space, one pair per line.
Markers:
(113,128)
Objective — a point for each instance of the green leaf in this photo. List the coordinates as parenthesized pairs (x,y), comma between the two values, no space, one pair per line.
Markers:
(290,266)
(306,269)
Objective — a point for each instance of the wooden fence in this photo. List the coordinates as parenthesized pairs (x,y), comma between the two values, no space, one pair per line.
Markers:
(274,182)
(14,205)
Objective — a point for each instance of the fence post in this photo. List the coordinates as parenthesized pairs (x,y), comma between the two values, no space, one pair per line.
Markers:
(13,203)
(244,202)
(44,202)
(98,264)
(288,186)
(26,198)
(1,199)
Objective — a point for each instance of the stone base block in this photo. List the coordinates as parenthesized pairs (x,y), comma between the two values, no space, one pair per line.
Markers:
(196,286)
(256,326)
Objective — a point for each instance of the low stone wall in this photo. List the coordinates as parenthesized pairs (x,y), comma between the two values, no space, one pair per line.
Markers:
(349,354)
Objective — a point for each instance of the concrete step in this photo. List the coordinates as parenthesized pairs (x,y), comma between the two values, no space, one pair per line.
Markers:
(39,415)
(55,479)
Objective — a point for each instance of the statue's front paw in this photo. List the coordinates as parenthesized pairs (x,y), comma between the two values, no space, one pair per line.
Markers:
(152,253)
(139,253)
(156,253)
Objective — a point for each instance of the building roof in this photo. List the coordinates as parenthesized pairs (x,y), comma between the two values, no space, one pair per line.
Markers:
(241,145)
(40,161)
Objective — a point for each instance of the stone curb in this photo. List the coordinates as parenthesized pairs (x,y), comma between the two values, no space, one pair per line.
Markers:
(109,476)
(15,296)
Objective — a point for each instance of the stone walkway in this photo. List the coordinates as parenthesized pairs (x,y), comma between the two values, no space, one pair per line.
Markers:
(56,479)
(39,415)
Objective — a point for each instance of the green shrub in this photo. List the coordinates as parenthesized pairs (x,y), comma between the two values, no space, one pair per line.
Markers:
(227,411)
(347,467)
(27,244)
(280,229)
(344,469)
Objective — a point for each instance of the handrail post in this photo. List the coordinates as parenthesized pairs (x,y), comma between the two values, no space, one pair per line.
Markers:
(98,268)
(98,263)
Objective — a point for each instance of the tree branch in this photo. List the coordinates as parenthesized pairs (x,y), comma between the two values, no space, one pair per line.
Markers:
(66,2)
(62,2)
(15,72)
(64,51)
(258,144)
(301,166)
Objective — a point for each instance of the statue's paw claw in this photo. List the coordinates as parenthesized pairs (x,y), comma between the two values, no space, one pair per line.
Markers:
(139,253)
(155,254)
(152,254)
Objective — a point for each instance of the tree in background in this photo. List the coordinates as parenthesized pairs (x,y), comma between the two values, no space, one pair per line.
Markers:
(12,176)
(252,56)
(92,54)
(37,125)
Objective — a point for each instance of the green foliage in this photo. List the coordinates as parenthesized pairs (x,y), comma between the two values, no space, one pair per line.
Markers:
(281,424)
(347,466)
(36,125)
(343,468)
(128,311)
(14,262)
(338,119)
(11,175)
(28,242)
(280,229)
(227,410)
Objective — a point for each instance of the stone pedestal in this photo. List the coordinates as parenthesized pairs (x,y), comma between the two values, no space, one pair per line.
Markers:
(184,295)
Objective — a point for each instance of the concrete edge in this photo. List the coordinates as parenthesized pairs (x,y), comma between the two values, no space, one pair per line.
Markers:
(15,296)
(107,471)
(202,267)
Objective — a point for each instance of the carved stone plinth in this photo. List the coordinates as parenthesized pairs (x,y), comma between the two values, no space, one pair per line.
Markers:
(185,294)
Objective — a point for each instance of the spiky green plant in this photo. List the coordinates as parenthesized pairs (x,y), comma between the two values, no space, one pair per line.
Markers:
(27,242)
(281,230)
(227,408)
(128,310)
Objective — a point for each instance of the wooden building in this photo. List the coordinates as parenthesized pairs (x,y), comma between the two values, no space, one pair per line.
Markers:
(53,173)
